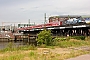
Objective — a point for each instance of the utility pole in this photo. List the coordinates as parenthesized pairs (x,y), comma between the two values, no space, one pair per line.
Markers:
(45,19)
(29,22)
(34,23)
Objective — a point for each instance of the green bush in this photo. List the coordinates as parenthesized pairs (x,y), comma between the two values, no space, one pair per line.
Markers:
(79,37)
(60,39)
(44,37)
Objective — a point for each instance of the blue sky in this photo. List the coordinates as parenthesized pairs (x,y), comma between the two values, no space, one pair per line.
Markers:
(23,10)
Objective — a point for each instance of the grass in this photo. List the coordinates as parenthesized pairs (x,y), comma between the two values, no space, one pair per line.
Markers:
(11,47)
(13,57)
(72,43)
(29,52)
(33,55)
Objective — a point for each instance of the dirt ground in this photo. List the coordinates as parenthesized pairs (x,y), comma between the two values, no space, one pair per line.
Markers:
(82,57)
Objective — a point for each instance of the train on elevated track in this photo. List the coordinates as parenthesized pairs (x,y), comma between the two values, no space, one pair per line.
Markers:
(56,21)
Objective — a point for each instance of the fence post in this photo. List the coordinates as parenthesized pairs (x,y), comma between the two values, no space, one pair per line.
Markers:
(28,39)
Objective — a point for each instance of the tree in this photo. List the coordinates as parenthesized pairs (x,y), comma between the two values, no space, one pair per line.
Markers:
(44,37)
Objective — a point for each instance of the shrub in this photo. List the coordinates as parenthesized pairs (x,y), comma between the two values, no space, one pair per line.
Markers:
(59,39)
(79,37)
(44,37)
